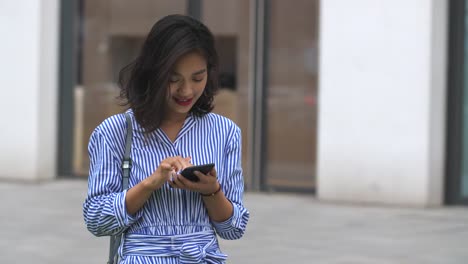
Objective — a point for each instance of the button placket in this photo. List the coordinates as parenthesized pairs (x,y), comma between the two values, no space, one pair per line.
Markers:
(175,149)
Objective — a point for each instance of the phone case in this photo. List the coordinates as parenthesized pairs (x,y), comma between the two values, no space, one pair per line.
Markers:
(188,172)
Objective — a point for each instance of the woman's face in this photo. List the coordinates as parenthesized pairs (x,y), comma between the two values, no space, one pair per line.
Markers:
(186,83)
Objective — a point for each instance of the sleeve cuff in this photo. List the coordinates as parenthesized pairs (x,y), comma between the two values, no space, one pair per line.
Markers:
(236,221)
(124,219)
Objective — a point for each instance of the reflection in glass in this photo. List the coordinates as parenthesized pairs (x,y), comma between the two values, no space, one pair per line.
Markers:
(113,31)
(230,23)
(291,109)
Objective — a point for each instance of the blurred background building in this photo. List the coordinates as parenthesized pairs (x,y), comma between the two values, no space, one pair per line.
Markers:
(354,101)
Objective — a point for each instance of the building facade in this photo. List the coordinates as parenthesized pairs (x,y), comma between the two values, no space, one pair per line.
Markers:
(356,101)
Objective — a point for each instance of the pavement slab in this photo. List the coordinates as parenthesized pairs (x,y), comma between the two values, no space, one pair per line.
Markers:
(43,223)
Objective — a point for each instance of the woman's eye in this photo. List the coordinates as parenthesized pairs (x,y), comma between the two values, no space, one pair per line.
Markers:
(173,79)
(198,80)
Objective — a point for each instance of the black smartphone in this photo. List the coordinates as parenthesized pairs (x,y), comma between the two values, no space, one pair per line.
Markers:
(188,172)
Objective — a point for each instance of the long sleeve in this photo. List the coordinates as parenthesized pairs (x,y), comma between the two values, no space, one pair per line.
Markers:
(233,188)
(104,208)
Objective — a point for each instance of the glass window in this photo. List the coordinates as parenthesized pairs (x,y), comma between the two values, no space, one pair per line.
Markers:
(111,35)
(291,105)
(230,23)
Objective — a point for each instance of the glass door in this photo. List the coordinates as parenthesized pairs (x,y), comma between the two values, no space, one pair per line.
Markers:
(291,94)
(229,22)
(268,61)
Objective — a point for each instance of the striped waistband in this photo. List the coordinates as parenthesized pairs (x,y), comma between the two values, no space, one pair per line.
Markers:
(197,247)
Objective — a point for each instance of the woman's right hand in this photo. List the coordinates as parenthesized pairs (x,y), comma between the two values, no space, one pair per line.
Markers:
(165,170)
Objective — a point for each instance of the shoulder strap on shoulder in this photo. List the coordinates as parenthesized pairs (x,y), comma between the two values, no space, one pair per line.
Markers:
(127,161)
(126,166)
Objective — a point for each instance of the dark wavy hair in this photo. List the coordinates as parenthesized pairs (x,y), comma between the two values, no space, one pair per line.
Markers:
(144,82)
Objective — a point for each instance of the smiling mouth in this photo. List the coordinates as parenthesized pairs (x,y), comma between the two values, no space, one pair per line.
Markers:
(183,102)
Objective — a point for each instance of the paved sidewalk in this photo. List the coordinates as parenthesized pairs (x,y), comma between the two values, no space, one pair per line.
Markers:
(42,223)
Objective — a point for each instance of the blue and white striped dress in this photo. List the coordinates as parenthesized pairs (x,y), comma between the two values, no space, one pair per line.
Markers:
(173,226)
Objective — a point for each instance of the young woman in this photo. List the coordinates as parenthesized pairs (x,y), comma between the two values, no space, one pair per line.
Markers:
(167,218)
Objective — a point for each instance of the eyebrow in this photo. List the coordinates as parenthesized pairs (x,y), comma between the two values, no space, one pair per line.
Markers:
(199,72)
(195,73)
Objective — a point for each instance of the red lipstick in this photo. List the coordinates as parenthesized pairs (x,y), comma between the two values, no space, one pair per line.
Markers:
(183,102)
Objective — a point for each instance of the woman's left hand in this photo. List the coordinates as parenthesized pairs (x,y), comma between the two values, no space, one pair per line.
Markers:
(207,184)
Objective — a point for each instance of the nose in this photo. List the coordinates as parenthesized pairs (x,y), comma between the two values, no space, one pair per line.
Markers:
(184,88)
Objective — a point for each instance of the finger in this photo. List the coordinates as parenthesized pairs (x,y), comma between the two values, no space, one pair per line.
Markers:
(186,182)
(177,164)
(178,182)
(186,162)
(172,175)
(165,167)
(213,173)
(173,184)
(203,177)
(171,163)
(209,175)
(182,163)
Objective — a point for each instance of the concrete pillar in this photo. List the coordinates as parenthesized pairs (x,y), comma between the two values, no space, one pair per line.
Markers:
(382,101)
(29,50)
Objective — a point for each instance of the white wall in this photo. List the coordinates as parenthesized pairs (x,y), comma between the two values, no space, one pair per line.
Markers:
(29,52)
(381,101)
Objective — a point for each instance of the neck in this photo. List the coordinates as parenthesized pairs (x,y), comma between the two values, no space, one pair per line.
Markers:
(175,119)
